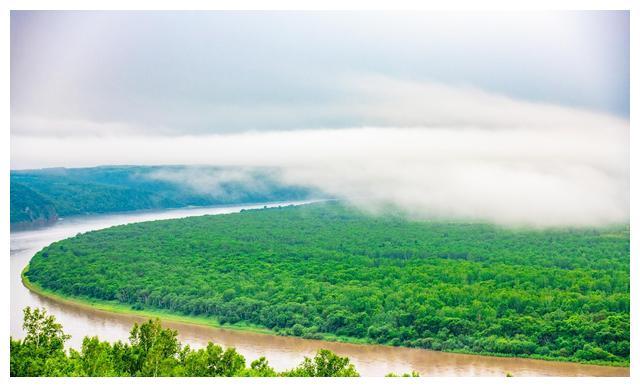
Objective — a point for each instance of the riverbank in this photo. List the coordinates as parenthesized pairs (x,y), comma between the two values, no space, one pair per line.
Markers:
(122,309)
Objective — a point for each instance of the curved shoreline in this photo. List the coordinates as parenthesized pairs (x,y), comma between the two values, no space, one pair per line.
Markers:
(125,310)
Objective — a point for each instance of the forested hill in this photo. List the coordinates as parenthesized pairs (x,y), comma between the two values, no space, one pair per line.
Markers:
(322,270)
(28,208)
(39,197)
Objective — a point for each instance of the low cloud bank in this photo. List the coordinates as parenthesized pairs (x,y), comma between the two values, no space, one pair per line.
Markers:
(361,101)
(213,181)
(432,151)
(535,177)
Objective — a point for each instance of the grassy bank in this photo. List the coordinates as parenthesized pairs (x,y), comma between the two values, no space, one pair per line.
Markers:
(119,308)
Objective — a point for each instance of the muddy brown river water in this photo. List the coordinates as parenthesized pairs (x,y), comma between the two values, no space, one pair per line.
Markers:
(282,352)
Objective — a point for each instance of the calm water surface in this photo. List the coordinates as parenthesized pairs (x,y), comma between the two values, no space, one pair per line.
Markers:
(282,352)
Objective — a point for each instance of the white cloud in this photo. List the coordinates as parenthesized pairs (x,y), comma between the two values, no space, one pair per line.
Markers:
(533,177)
(468,154)
(235,71)
(213,181)
(395,102)
(364,100)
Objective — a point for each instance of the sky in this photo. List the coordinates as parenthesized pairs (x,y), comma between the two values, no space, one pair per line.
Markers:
(516,118)
(235,71)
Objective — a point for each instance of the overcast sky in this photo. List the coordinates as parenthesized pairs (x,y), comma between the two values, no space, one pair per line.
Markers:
(220,72)
(510,117)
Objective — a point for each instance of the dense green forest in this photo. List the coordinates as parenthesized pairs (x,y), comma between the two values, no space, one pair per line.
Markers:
(38,197)
(151,351)
(327,270)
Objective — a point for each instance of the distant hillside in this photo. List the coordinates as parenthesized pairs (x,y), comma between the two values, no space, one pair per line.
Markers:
(38,197)
(29,209)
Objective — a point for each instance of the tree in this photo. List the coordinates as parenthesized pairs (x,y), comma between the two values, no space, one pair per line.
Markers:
(154,349)
(324,364)
(260,367)
(43,332)
(213,361)
(44,340)
(96,357)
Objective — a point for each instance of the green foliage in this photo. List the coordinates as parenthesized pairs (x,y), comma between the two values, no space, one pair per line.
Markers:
(214,361)
(413,374)
(39,196)
(260,367)
(324,364)
(28,208)
(96,358)
(42,346)
(151,351)
(324,270)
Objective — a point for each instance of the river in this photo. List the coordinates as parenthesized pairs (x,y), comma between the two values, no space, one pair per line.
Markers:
(282,352)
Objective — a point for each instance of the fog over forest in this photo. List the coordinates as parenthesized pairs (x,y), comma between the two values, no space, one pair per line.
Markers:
(526,130)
